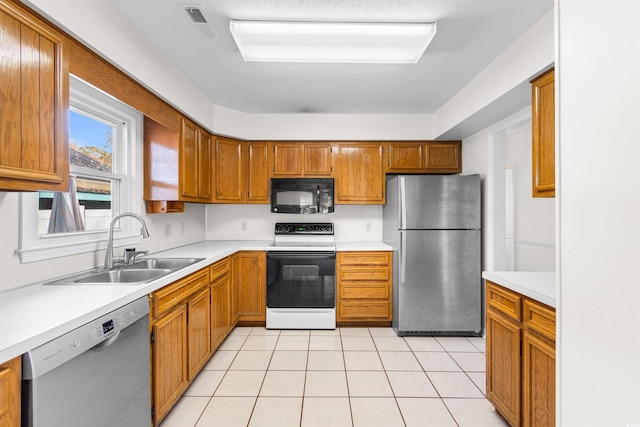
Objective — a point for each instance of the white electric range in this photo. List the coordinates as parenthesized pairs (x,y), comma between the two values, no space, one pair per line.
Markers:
(301,277)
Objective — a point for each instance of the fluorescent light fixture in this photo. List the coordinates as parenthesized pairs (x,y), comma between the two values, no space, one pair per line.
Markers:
(338,42)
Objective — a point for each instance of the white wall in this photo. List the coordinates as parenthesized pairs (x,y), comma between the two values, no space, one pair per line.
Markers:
(533,218)
(486,153)
(598,146)
(224,222)
(323,126)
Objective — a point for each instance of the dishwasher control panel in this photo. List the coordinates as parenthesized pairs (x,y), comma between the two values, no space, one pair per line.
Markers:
(111,326)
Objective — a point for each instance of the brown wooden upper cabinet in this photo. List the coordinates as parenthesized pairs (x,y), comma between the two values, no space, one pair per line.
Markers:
(359,173)
(195,163)
(543,135)
(34,88)
(297,159)
(424,157)
(241,171)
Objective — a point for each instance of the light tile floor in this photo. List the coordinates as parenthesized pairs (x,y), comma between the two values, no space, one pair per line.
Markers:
(357,377)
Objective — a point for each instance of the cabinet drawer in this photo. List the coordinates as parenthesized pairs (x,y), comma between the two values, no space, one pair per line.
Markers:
(366,258)
(540,317)
(218,269)
(505,301)
(364,273)
(363,290)
(171,295)
(363,309)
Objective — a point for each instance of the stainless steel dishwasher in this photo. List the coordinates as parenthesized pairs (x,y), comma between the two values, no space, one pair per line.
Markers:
(96,375)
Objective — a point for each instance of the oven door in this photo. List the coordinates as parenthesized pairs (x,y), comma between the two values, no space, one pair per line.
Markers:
(301,280)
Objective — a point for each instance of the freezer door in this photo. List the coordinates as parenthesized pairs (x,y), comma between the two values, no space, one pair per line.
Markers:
(438,287)
(439,202)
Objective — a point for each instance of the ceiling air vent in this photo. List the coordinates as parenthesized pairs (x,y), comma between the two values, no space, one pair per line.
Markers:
(201,23)
(196,15)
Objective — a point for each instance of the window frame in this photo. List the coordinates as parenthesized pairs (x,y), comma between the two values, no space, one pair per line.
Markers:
(127,158)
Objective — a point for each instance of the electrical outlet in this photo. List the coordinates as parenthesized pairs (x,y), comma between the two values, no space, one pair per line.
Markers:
(243,226)
(367,226)
(167,230)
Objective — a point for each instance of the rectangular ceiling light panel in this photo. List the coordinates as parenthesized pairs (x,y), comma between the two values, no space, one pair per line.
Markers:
(336,42)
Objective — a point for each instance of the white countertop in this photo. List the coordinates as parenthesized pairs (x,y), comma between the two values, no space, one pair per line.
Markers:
(537,285)
(35,314)
(350,246)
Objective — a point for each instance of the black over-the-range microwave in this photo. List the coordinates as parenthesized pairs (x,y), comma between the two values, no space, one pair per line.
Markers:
(302,195)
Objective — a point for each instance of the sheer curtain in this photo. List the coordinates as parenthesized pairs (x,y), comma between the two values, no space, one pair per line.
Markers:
(65,211)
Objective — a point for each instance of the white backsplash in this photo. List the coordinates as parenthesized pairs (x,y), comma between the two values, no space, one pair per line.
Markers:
(251,222)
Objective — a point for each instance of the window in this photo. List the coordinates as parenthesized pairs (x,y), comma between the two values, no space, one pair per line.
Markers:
(105,165)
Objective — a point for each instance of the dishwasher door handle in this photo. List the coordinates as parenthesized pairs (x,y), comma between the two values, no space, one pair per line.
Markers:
(106,343)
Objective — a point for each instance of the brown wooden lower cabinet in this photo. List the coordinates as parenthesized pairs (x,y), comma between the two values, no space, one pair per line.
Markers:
(169,361)
(10,383)
(363,291)
(181,338)
(503,366)
(520,357)
(191,317)
(249,286)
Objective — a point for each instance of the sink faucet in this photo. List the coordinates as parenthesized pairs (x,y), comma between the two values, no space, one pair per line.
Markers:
(109,259)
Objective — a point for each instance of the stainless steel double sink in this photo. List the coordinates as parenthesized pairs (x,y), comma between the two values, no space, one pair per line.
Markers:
(142,271)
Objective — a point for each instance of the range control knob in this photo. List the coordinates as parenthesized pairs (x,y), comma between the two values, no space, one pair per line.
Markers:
(281,229)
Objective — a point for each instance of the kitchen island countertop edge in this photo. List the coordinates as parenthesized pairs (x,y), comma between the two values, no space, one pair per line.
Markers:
(537,285)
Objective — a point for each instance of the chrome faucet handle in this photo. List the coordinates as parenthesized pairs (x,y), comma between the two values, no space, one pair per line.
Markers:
(130,255)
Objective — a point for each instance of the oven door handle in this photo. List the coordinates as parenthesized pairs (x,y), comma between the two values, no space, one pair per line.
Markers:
(301,254)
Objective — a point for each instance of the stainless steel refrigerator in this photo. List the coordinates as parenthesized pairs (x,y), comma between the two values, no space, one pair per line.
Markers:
(433,223)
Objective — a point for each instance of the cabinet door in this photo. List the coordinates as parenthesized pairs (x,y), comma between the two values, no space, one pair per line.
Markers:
(228,171)
(189,160)
(34,143)
(195,163)
(161,148)
(539,382)
(220,310)
(405,157)
(199,331)
(249,284)
(287,159)
(317,159)
(258,173)
(503,366)
(169,365)
(359,173)
(443,157)
(538,365)
(10,376)
(205,157)
(543,135)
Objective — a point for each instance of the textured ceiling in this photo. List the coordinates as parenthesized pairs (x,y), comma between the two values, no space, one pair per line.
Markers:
(471,33)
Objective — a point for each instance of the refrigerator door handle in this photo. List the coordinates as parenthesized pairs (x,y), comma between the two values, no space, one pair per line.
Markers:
(403,204)
(402,257)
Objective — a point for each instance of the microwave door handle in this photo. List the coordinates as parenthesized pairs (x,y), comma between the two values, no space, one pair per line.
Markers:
(318,199)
